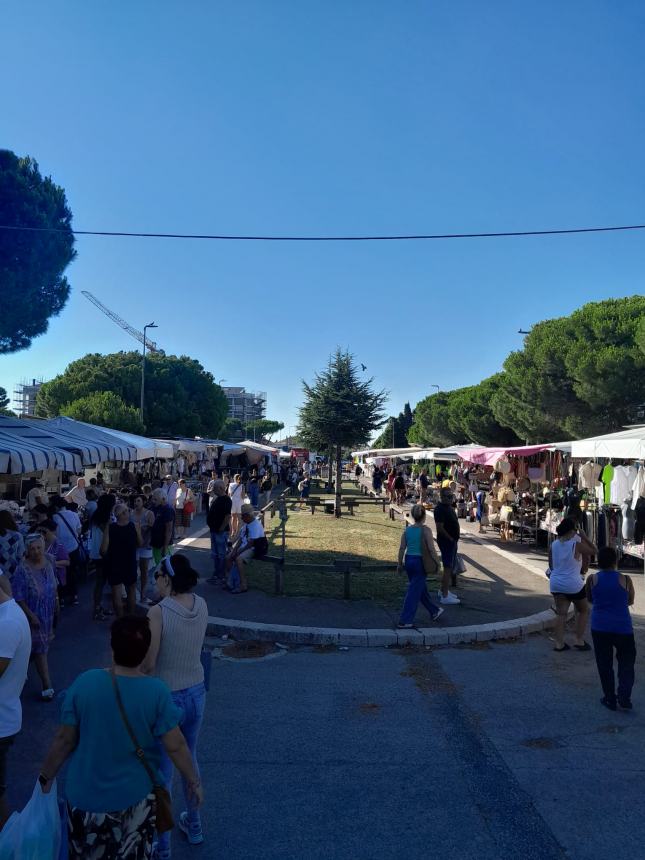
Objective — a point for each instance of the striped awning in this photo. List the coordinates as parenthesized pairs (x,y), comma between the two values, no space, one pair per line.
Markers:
(99,444)
(25,447)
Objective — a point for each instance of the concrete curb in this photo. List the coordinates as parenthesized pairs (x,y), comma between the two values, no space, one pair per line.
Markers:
(374,638)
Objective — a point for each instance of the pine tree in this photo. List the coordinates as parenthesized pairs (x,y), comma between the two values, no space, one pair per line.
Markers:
(339,412)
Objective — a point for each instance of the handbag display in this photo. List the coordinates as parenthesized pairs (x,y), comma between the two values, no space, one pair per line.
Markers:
(165,821)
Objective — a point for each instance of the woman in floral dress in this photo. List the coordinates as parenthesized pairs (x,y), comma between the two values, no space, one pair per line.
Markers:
(12,547)
(34,589)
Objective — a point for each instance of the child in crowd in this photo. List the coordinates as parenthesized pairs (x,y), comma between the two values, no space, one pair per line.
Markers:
(611,594)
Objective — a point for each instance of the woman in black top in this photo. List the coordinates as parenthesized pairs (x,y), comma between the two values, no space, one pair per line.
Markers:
(119,550)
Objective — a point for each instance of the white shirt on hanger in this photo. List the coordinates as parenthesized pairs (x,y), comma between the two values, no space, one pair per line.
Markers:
(621,485)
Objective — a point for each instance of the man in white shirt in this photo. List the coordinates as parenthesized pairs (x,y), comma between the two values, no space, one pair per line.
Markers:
(68,529)
(36,496)
(253,544)
(170,488)
(15,648)
(77,493)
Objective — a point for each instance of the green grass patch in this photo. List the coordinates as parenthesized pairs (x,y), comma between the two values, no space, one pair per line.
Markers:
(369,536)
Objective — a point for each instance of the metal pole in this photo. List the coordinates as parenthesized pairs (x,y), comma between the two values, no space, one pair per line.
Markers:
(143,371)
(143,367)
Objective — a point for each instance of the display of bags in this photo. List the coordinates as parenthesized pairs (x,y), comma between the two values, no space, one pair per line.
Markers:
(34,833)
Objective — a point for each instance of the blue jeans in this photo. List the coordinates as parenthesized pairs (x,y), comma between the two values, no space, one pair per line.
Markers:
(218,552)
(417,590)
(191,701)
(254,494)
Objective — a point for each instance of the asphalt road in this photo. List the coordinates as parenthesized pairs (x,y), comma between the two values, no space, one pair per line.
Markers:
(487,752)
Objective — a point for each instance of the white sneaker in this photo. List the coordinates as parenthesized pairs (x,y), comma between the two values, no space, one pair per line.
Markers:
(450,599)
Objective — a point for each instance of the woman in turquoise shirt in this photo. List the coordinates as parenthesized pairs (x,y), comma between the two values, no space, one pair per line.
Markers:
(412,541)
(109,793)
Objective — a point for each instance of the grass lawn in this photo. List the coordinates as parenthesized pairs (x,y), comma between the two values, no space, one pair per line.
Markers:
(369,536)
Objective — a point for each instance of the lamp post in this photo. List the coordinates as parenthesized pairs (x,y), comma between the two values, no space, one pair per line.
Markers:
(143,365)
(437,387)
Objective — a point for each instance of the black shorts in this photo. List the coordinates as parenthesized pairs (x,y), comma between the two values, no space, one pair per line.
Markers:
(581,595)
(5,743)
(117,575)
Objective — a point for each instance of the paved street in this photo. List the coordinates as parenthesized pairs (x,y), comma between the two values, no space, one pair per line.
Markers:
(491,751)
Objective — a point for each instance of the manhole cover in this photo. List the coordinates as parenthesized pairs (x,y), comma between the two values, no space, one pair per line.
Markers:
(249,650)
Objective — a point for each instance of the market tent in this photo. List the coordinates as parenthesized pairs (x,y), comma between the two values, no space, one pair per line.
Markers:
(195,446)
(26,447)
(451,453)
(227,447)
(387,452)
(627,444)
(490,456)
(146,448)
(256,446)
(90,451)
(107,445)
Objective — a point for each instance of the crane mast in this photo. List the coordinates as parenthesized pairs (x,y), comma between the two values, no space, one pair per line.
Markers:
(137,335)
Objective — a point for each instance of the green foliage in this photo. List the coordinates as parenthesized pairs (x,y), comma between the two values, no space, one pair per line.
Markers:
(397,436)
(577,375)
(106,409)
(232,430)
(471,417)
(431,424)
(264,427)
(182,398)
(31,263)
(4,403)
(339,409)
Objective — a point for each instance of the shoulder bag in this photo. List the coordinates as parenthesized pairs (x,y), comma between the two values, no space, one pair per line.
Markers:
(80,548)
(189,504)
(165,821)
(430,566)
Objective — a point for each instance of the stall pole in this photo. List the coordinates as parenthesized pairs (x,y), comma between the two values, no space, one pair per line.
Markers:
(549,533)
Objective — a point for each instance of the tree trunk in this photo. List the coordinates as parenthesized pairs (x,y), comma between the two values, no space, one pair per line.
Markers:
(339,475)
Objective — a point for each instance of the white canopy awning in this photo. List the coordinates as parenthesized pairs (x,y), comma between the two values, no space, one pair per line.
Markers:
(387,452)
(26,447)
(628,444)
(196,446)
(256,446)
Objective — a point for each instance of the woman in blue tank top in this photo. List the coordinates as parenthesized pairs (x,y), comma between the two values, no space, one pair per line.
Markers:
(414,540)
(611,594)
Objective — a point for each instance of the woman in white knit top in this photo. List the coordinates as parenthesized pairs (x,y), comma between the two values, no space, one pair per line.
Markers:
(178,626)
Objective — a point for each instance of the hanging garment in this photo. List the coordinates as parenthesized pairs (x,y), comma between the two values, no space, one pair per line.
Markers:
(606,477)
(638,487)
(588,475)
(622,483)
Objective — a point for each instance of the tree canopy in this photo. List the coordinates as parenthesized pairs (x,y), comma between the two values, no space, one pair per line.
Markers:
(106,409)
(576,376)
(32,264)
(339,411)
(182,399)
(4,402)
(265,427)
(232,430)
(395,433)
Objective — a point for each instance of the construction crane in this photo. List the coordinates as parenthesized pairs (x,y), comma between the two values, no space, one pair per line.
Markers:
(137,335)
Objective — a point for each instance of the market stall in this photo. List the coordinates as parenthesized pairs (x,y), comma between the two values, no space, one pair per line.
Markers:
(611,471)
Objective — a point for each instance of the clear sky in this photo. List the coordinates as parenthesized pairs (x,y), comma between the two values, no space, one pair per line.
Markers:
(331,116)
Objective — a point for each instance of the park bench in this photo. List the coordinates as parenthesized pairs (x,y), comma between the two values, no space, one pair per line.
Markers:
(346,566)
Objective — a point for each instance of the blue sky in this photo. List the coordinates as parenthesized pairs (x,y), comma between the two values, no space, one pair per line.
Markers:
(327,117)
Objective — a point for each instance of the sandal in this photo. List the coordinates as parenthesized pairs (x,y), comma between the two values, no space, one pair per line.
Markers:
(47,695)
(565,647)
(585,647)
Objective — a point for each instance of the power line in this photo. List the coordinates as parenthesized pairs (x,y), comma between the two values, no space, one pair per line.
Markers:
(396,238)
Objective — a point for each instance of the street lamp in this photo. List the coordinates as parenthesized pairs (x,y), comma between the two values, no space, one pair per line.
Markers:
(143,364)
(437,387)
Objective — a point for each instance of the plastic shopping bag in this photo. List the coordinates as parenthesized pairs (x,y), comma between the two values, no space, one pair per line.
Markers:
(34,833)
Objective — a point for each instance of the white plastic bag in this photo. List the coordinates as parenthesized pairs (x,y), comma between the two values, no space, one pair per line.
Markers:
(34,833)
